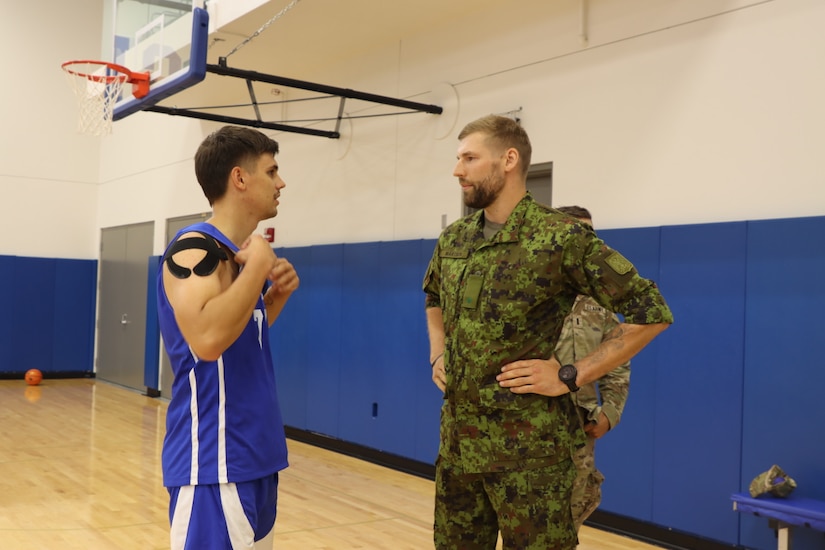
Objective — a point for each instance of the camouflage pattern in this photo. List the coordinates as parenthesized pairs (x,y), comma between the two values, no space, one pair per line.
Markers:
(774,482)
(525,505)
(584,329)
(587,487)
(506,299)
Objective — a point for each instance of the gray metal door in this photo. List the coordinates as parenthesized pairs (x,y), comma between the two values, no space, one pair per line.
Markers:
(173,225)
(124,264)
(540,182)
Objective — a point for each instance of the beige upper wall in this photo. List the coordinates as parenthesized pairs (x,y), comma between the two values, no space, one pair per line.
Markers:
(49,174)
(686,111)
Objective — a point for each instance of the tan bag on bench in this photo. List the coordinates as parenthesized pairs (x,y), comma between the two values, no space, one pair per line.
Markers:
(775,482)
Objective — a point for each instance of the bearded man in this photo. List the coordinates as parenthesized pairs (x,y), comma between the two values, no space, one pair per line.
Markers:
(498,288)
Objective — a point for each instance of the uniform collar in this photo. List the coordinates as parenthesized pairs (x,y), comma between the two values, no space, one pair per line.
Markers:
(512,227)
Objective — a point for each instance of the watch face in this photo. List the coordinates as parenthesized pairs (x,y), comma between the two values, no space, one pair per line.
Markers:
(567,373)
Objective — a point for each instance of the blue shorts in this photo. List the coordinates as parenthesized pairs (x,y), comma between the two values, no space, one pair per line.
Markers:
(222,516)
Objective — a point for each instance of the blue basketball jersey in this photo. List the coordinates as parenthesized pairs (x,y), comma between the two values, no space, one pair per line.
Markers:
(224,422)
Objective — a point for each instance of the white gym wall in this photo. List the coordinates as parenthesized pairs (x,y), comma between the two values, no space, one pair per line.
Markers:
(672,112)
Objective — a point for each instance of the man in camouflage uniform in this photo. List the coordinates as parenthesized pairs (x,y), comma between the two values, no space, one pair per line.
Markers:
(599,404)
(498,288)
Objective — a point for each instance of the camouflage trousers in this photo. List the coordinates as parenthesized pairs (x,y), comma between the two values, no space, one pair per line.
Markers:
(531,509)
(587,487)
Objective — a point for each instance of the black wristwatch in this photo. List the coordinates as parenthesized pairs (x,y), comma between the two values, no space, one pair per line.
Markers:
(568,374)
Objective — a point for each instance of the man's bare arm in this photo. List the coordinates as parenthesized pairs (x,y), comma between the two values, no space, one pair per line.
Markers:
(541,376)
(616,349)
(212,310)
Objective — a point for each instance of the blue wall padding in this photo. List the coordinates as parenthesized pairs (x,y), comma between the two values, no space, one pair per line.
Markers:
(783,411)
(363,374)
(294,367)
(47,314)
(401,358)
(325,311)
(33,311)
(75,308)
(625,456)
(378,359)
(360,368)
(699,379)
(427,407)
(7,292)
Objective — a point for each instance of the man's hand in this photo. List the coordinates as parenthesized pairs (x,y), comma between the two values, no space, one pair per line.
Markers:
(533,376)
(284,278)
(439,374)
(598,428)
(256,254)
(285,281)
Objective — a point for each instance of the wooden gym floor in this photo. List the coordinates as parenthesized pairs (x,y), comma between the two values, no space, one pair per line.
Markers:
(80,470)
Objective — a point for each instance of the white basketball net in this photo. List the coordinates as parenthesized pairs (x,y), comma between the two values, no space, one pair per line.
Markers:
(97,89)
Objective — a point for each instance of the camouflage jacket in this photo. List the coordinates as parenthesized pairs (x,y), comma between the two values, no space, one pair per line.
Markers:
(583,331)
(506,299)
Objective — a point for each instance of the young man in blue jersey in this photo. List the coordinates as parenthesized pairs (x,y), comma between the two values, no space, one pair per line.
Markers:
(220,287)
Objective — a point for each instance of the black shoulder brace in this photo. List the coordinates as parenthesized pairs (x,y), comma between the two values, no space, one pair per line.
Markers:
(206,266)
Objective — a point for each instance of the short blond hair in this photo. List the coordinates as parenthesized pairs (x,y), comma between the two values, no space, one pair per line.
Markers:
(503,132)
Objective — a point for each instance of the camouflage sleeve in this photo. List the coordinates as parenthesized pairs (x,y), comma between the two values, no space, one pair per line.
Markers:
(432,285)
(613,388)
(611,280)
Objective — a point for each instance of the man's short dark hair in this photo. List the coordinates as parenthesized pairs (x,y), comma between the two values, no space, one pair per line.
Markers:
(225,149)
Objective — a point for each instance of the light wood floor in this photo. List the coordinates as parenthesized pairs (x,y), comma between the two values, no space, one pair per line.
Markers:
(80,469)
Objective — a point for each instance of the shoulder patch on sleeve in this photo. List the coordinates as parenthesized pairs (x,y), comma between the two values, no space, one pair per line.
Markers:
(618,263)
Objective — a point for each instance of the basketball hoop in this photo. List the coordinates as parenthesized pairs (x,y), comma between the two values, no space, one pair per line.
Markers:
(97,86)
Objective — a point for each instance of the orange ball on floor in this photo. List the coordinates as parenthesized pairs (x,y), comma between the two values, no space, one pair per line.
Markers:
(33,377)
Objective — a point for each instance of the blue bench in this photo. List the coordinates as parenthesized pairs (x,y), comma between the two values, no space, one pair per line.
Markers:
(785,512)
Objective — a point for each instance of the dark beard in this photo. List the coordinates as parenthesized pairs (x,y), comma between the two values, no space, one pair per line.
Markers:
(485,193)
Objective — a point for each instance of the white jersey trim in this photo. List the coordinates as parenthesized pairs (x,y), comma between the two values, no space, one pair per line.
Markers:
(223,476)
(193,435)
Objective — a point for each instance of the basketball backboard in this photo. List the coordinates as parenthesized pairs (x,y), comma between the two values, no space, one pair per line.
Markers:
(167,38)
